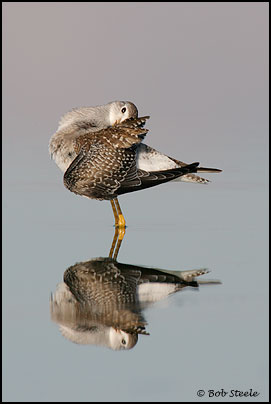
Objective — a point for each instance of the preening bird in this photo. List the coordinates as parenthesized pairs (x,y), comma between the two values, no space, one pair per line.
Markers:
(101,153)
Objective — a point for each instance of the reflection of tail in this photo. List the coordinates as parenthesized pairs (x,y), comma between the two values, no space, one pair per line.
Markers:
(208,170)
(210,282)
(189,277)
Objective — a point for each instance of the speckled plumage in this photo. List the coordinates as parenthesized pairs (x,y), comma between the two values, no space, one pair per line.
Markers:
(101,301)
(106,164)
(79,121)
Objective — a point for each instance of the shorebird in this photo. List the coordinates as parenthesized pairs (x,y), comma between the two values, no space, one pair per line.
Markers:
(101,152)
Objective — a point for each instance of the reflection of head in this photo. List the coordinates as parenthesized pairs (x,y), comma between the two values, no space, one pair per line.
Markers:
(100,335)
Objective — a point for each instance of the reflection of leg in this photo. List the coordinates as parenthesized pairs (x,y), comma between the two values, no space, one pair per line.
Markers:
(121,220)
(114,242)
(121,233)
(115,212)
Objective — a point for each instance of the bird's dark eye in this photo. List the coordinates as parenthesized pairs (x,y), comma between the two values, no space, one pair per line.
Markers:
(123,341)
(123,110)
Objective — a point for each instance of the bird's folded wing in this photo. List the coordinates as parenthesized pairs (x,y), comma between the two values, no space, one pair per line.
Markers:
(138,179)
(99,171)
(115,137)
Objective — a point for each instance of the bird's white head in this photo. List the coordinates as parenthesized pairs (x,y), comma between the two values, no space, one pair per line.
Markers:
(119,111)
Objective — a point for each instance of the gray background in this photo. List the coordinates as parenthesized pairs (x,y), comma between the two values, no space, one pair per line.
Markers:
(201,71)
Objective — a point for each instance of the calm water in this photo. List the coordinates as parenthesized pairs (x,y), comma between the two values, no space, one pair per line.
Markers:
(210,337)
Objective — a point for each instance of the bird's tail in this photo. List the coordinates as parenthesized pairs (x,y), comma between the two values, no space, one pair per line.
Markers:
(199,169)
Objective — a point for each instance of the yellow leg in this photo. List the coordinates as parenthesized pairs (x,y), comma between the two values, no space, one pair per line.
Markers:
(118,247)
(121,220)
(114,242)
(117,240)
(119,228)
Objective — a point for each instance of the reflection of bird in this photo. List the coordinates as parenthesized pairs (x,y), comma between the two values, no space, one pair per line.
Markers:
(101,301)
(106,157)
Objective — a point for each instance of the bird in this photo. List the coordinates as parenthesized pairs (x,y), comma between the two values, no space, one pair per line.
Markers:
(101,301)
(101,153)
